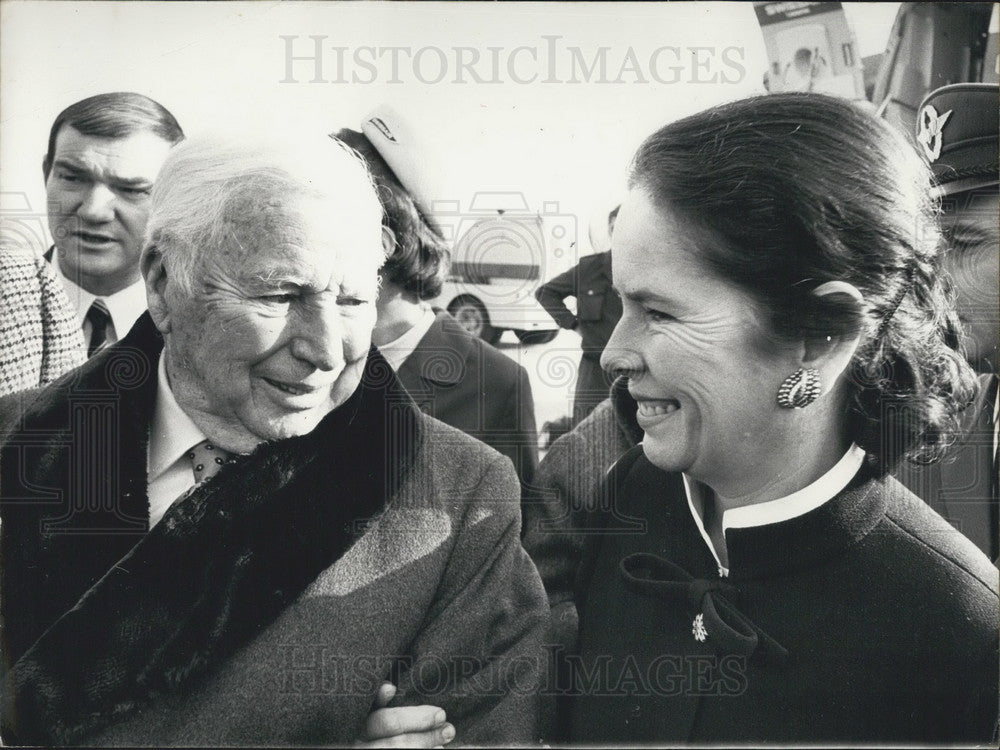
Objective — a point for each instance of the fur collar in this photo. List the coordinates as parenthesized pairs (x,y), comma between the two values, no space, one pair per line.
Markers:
(219,567)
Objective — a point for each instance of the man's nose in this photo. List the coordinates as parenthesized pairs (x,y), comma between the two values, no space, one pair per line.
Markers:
(98,204)
(319,338)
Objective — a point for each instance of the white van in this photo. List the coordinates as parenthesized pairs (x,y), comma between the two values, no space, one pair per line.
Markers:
(501,253)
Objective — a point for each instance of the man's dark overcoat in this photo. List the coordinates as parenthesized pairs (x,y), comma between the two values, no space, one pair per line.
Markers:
(266,606)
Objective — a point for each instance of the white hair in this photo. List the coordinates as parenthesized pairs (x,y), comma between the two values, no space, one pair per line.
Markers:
(211,185)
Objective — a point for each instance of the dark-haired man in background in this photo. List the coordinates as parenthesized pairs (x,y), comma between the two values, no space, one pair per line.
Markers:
(103,156)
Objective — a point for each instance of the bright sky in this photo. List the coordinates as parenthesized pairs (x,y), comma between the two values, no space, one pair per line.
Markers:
(533,129)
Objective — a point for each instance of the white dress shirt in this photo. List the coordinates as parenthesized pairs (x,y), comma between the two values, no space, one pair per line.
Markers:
(172,434)
(397,350)
(124,306)
(797,504)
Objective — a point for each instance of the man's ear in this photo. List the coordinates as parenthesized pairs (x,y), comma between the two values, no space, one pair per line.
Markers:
(831,355)
(154,272)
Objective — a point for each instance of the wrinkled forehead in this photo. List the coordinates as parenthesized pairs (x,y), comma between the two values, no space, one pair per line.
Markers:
(264,228)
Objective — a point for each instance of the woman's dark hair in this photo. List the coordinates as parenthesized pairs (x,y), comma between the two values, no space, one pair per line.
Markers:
(114,115)
(419,261)
(794,190)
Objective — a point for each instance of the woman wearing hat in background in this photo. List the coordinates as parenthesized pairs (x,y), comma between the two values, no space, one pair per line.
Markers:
(788,339)
(451,374)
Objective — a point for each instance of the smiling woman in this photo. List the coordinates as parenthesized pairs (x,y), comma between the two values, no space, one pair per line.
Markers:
(788,339)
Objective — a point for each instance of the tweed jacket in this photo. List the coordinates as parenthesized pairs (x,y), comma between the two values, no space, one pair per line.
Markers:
(867,620)
(40,338)
(466,383)
(267,605)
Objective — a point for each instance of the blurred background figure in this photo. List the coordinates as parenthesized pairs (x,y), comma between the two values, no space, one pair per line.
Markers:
(451,374)
(103,156)
(598,309)
(806,66)
(957,132)
(40,338)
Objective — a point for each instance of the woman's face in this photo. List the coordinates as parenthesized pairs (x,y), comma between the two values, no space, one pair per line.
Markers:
(703,368)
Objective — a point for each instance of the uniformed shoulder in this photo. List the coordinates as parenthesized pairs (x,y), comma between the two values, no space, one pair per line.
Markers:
(938,548)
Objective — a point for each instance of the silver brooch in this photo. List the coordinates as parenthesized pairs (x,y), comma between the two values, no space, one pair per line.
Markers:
(698,628)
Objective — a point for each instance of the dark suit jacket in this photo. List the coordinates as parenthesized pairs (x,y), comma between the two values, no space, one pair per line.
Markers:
(267,605)
(466,383)
(962,487)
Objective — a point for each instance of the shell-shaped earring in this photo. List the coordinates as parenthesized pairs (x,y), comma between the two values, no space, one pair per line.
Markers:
(799,390)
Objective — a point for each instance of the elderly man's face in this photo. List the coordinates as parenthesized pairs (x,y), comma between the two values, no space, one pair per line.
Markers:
(276,328)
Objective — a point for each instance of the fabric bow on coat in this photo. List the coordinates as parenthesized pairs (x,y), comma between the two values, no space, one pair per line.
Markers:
(723,624)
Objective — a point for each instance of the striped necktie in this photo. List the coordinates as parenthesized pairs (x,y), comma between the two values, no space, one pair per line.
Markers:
(99,319)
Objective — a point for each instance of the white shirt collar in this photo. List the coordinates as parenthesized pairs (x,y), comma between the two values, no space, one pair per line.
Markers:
(809,498)
(171,433)
(125,306)
(398,350)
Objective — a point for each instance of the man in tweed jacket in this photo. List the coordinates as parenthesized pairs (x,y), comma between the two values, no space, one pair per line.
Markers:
(345,540)
(39,337)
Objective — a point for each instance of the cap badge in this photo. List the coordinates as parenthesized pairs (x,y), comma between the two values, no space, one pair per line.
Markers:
(929,136)
(380,125)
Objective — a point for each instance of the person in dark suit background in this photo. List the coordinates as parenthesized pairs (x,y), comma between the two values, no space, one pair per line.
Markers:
(598,309)
(104,153)
(451,374)
(957,135)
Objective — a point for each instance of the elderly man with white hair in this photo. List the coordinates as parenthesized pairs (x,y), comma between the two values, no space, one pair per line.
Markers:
(234,525)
